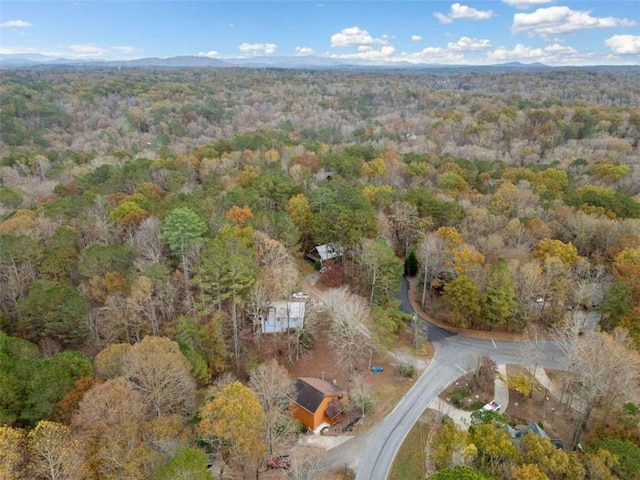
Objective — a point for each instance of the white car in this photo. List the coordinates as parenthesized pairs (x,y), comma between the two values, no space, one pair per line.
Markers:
(300,296)
(492,405)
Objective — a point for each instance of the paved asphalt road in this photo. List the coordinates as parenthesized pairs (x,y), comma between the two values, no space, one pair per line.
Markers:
(372,453)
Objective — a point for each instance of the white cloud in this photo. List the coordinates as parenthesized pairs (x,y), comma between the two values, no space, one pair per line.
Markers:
(555,54)
(559,20)
(255,48)
(231,25)
(210,54)
(416,38)
(558,48)
(466,44)
(459,11)
(304,51)
(353,36)
(14,24)
(469,13)
(442,18)
(434,55)
(386,53)
(525,3)
(77,51)
(519,52)
(88,50)
(624,44)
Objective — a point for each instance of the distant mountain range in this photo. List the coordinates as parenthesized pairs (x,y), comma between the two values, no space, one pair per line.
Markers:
(22,61)
(19,61)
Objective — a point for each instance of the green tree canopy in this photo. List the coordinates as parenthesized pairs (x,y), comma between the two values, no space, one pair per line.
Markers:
(100,259)
(461,473)
(181,227)
(499,302)
(628,454)
(53,310)
(342,215)
(186,464)
(463,298)
(381,271)
(33,386)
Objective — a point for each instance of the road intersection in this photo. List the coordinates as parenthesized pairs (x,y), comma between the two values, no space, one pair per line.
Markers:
(371,454)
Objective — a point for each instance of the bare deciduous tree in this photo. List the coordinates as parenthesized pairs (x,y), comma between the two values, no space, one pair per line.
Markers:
(405,225)
(159,371)
(605,367)
(432,255)
(146,243)
(108,424)
(271,383)
(349,336)
(532,349)
(54,454)
(360,394)
(257,301)
(608,369)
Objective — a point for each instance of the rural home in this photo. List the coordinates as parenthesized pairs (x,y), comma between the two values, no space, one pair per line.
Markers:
(317,403)
(534,428)
(282,317)
(324,252)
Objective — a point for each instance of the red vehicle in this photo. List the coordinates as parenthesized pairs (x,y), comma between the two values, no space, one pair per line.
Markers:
(281,461)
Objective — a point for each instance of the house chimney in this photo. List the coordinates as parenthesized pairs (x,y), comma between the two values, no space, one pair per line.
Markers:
(322,375)
(334,382)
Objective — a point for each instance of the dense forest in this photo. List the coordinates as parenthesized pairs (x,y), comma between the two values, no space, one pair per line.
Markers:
(148,217)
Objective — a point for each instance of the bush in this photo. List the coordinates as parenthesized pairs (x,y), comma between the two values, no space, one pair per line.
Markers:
(457,398)
(407,369)
(306,340)
(10,197)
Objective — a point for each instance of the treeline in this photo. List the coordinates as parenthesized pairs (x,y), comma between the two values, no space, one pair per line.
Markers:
(517,117)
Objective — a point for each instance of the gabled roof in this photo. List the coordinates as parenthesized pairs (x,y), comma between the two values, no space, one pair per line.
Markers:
(296,309)
(532,427)
(327,251)
(311,391)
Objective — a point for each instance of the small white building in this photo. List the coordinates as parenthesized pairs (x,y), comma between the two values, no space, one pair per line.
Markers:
(283,316)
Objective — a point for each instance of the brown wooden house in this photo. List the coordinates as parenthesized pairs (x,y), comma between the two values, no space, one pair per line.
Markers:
(317,403)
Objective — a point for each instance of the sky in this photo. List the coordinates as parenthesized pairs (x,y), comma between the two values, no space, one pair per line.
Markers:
(553,32)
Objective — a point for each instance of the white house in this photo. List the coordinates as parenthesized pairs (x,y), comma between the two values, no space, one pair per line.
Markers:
(282,316)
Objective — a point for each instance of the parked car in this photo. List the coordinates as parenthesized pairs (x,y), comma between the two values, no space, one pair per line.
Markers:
(492,406)
(281,461)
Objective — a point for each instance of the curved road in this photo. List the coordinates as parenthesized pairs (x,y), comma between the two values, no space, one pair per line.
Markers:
(372,454)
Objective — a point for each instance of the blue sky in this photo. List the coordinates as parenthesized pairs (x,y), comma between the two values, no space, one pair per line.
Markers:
(554,32)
